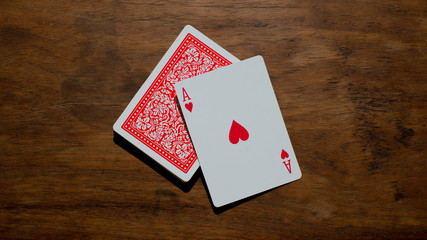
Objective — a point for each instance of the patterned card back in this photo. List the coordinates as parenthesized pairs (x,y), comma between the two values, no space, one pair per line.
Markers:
(155,121)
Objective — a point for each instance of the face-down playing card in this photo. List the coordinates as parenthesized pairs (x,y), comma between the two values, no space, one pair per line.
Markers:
(151,121)
(237,130)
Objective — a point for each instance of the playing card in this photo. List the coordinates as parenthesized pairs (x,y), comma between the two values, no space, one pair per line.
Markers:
(238,131)
(151,121)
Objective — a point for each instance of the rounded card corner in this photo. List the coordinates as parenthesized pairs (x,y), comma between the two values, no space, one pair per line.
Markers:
(259,58)
(116,127)
(299,176)
(216,204)
(188,27)
(176,86)
(185,179)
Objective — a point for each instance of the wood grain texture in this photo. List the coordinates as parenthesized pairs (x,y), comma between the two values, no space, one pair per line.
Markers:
(350,77)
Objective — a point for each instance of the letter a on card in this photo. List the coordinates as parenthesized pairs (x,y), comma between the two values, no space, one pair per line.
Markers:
(185,96)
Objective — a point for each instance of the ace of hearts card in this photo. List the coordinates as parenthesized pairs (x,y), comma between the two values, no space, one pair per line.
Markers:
(238,131)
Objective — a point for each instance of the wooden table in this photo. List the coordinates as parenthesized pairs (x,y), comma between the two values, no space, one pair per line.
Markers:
(350,77)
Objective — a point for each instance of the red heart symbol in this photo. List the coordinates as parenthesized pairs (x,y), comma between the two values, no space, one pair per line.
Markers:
(189,106)
(284,154)
(237,132)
